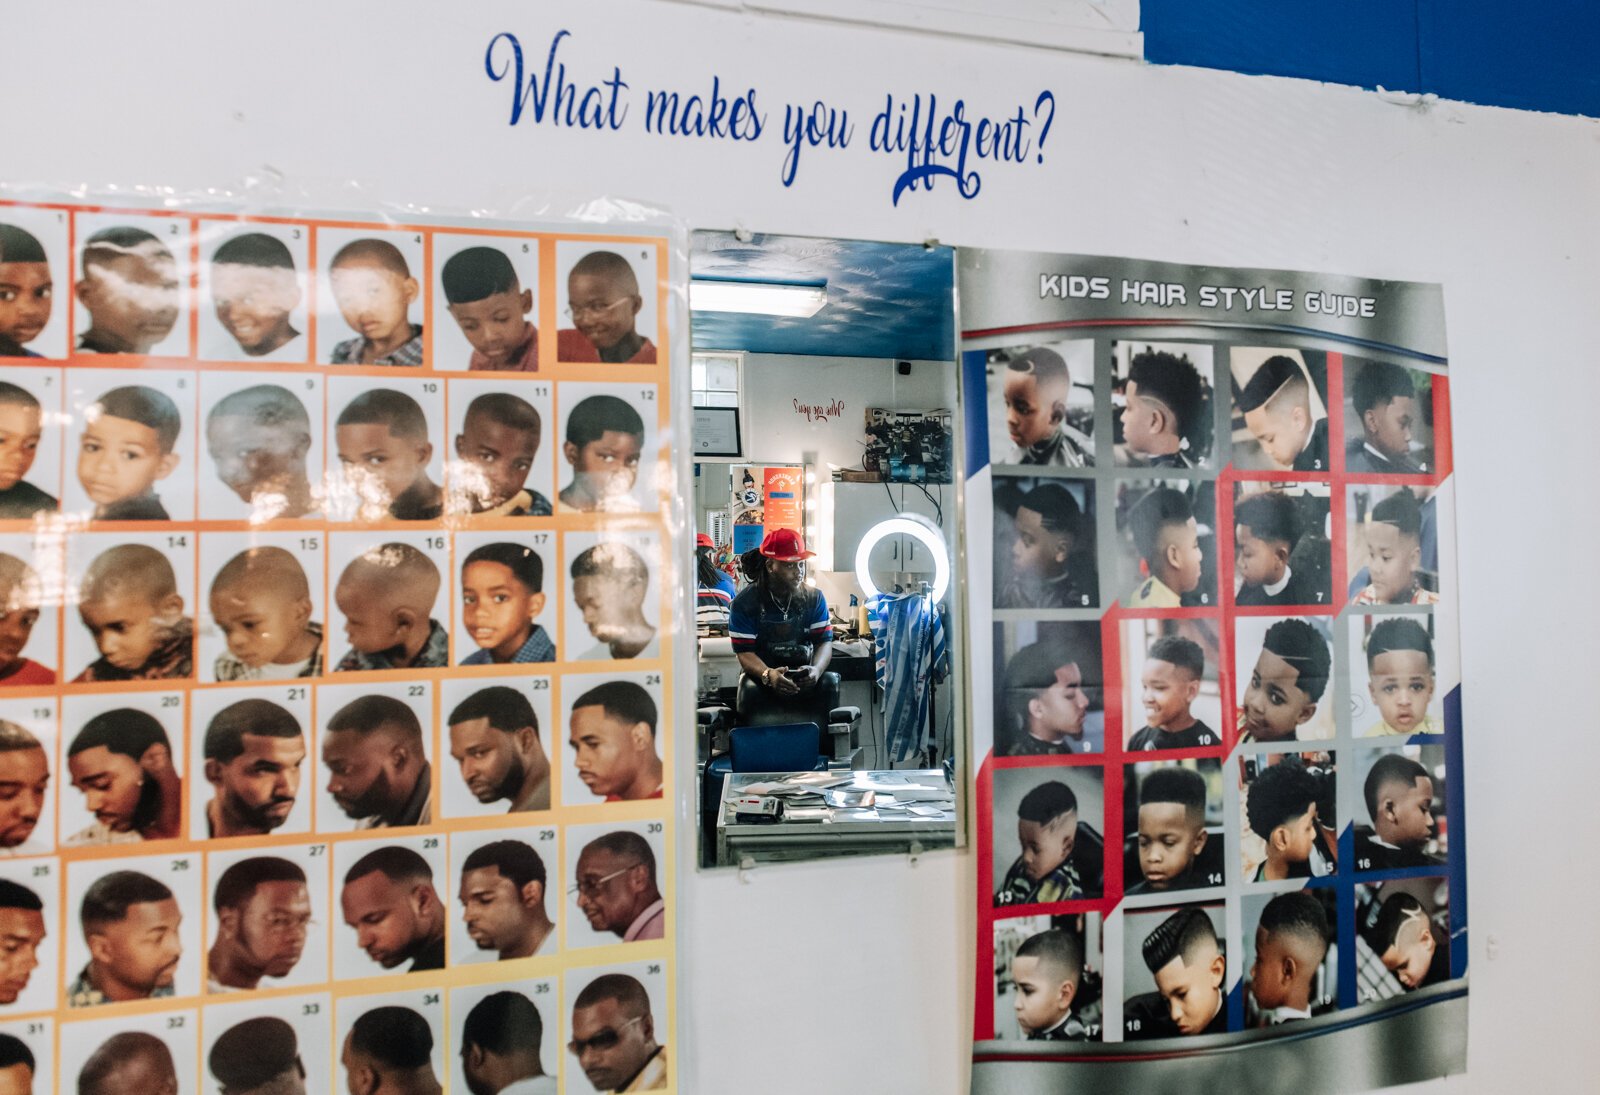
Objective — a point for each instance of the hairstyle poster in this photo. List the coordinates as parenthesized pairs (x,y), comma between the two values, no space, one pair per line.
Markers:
(335,700)
(1220,822)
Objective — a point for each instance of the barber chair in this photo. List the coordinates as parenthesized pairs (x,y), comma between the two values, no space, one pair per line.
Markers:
(770,733)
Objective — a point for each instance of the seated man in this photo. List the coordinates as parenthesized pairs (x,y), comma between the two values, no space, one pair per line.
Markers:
(779,626)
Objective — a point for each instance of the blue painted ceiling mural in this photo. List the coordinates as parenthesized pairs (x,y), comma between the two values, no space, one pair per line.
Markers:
(885,300)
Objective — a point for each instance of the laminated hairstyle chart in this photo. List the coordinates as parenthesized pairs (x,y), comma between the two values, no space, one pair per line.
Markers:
(1220,822)
(336,697)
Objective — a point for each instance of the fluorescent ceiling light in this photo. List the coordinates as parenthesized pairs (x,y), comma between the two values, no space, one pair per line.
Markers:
(765,298)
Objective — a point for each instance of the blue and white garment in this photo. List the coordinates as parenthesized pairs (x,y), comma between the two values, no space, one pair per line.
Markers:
(910,653)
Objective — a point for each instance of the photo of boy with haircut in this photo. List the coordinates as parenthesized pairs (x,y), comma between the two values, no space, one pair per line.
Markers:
(21,599)
(26,290)
(486,299)
(609,584)
(253,752)
(130,603)
(1288,680)
(1169,683)
(373,289)
(603,300)
(122,762)
(1045,702)
(1172,830)
(1276,404)
(255,289)
(127,445)
(1392,533)
(1165,411)
(130,923)
(21,431)
(1409,944)
(1280,807)
(129,285)
(605,439)
(1167,538)
(1185,957)
(494,737)
(1400,678)
(1385,402)
(1038,569)
(495,450)
(1037,385)
(1266,530)
(259,438)
(1292,940)
(381,437)
(1047,970)
(261,602)
(1399,796)
(502,594)
(386,596)
(1047,870)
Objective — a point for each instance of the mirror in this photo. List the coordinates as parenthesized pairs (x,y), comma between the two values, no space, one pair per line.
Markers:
(828,448)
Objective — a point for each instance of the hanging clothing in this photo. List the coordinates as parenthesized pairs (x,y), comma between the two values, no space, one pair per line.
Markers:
(908,640)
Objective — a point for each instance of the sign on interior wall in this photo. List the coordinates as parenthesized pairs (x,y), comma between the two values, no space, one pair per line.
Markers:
(334,715)
(1219,791)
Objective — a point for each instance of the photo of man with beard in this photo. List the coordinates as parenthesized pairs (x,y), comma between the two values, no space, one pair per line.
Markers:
(502,900)
(130,923)
(494,737)
(253,753)
(122,763)
(377,764)
(263,907)
(389,899)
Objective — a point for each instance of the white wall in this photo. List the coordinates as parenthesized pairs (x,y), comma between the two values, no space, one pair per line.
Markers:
(785,976)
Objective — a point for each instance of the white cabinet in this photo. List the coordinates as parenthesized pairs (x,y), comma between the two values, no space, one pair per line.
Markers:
(859,506)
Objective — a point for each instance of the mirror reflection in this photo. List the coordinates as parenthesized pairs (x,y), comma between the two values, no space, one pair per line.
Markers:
(826,440)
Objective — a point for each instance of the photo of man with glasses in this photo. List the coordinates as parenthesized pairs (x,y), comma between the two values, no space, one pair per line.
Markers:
(614,1036)
(616,887)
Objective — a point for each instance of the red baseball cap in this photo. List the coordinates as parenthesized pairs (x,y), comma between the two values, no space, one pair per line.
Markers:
(785,545)
(702,540)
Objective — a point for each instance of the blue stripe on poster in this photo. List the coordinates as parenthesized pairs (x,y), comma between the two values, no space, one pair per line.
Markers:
(1456,818)
(975,403)
(1528,57)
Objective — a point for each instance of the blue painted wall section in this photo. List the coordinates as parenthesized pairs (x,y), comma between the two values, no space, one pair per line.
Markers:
(1524,56)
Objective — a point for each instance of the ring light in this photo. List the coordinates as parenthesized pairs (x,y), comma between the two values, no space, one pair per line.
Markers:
(918,528)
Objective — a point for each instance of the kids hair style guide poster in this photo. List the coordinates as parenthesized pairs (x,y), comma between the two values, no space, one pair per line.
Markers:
(1219,798)
(336,704)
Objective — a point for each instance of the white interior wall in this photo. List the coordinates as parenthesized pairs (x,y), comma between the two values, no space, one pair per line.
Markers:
(860,972)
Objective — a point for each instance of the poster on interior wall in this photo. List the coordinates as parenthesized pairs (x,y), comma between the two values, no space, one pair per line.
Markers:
(908,446)
(337,667)
(1220,819)
(784,494)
